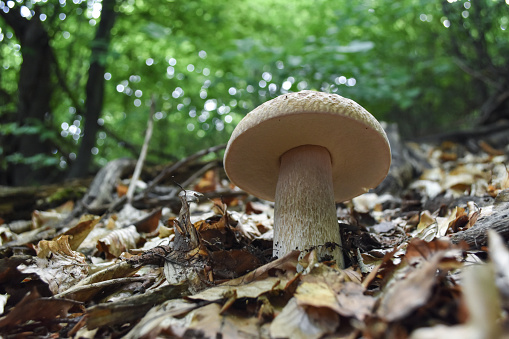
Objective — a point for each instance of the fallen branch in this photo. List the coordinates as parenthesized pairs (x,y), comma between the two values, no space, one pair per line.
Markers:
(477,235)
(103,284)
(464,136)
(128,309)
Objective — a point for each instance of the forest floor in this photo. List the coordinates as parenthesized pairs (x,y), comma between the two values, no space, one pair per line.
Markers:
(426,258)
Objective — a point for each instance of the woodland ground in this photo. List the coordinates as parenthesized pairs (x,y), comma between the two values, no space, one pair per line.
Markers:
(163,262)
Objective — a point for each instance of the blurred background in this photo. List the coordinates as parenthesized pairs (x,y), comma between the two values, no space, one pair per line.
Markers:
(79,78)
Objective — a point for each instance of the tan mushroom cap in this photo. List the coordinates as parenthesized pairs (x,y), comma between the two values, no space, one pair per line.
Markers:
(358,145)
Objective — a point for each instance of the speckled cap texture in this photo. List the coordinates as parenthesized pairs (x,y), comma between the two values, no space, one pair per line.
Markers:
(357,143)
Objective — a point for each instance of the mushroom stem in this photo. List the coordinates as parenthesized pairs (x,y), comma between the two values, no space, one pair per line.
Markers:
(305,210)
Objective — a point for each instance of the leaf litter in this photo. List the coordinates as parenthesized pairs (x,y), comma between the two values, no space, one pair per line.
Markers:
(199,263)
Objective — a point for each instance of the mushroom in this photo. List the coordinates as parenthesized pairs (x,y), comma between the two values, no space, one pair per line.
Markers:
(306,151)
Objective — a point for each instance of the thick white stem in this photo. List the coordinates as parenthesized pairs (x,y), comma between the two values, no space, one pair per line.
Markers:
(305,210)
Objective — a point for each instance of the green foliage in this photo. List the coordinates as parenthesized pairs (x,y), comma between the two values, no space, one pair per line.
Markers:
(207,63)
(31,126)
(36,161)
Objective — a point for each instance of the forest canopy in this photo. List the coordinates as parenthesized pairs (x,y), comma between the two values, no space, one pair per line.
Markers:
(80,78)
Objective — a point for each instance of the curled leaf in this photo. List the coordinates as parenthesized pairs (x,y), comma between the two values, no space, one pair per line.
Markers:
(119,241)
(57,264)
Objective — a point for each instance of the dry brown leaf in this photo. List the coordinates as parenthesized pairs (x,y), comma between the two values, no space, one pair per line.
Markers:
(500,177)
(286,266)
(79,232)
(204,322)
(353,302)
(419,250)
(51,217)
(32,308)
(499,255)
(166,318)
(57,265)
(444,223)
(230,264)
(122,190)
(427,229)
(253,289)
(131,308)
(327,287)
(59,245)
(405,295)
(150,222)
(46,218)
(208,182)
(483,303)
(298,322)
(118,270)
(253,207)
(119,241)
(425,220)
(237,326)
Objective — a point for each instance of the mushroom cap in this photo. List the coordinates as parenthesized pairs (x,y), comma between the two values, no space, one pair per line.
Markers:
(359,149)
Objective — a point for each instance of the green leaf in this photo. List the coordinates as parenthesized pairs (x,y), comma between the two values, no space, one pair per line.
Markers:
(156,31)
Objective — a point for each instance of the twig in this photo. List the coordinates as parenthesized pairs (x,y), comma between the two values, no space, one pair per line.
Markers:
(170,200)
(169,170)
(109,208)
(164,173)
(102,284)
(143,154)
(476,74)
(462,136)
(192,178)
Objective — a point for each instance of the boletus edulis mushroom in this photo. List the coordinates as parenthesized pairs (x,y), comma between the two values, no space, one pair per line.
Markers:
(306,151)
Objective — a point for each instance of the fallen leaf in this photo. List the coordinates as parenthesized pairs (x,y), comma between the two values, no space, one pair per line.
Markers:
(57,265)
(252,289)
(327,287)
(285,266)
(3,302)
(150,222)
(168,318)
(128,309)
(405,295)
(482,299)
(78,233)
(118,270)
(119,241)
(208,182)
(46,218)
(32,308)
(298,322)
(499,255)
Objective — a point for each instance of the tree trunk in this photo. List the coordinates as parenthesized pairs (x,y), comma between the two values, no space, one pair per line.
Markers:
(95,89)
(34,94)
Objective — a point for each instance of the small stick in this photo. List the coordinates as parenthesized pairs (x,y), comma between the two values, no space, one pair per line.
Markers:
(164,173)
(143,154)
(192,178)
(169,170)
(102,284)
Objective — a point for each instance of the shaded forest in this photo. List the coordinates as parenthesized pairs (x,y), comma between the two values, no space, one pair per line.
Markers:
(79,77)
(124,213)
